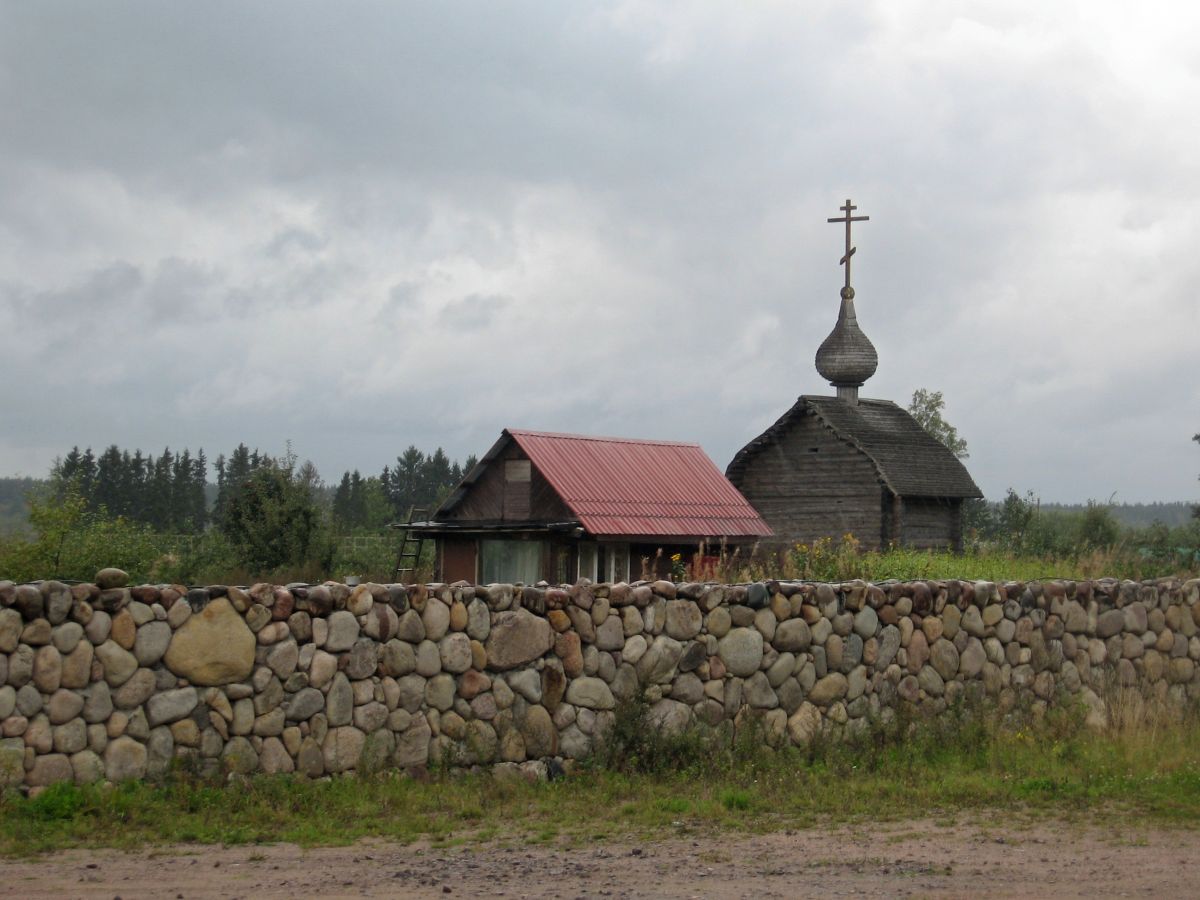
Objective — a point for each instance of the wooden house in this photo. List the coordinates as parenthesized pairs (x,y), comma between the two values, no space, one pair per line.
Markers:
(840,465)
(558,507)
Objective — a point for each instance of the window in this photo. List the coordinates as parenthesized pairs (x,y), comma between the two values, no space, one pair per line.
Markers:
(587,561)
(511,561)
(620,564)
(616,563)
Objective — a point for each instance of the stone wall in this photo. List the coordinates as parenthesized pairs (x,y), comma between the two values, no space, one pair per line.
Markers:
(103,681)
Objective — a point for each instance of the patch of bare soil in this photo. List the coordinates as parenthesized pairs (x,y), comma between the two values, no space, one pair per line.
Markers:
(914,858)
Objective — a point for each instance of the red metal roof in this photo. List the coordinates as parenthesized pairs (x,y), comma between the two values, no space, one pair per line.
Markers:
(618,486)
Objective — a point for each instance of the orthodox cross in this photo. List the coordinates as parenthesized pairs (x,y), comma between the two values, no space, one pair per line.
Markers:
(845,260)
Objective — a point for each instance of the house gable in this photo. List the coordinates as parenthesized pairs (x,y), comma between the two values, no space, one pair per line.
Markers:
(502,490)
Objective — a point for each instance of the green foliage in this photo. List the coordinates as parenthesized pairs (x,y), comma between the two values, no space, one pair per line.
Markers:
(166,492)
(373,558)
(361,504)
(1134,515)
(209,559)
(1097,528)
(1084,539)
(273,521)
(59,802)
(635,746)
(272,518)
(846,559)
(232,474)
(421,481)
(72,541)
(926,407)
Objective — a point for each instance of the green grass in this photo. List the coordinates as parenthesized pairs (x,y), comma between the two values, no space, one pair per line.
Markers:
(959,766)
(843,560)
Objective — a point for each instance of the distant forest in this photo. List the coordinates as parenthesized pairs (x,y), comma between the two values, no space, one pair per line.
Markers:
(1136,515)
(14,516)
(171,492)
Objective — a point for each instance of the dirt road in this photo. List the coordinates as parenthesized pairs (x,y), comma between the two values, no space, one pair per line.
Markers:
(898,859)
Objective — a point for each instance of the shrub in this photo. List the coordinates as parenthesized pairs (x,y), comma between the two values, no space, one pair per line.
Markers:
(635,745)
(71,541)
(274,523)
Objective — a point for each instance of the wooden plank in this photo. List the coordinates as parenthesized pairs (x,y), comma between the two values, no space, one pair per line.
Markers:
(545,504)
(458,559)
(495,498)
(809,485)
(484,500)
(931,524)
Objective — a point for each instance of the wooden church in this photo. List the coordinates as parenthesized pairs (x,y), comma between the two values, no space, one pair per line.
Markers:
(848,465)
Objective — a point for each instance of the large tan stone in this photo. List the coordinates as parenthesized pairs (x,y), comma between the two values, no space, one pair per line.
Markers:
(591,693)
(124,759)
(517,638)
(214,646)
(830,688)
(342,748)
(805,724)
(541,737)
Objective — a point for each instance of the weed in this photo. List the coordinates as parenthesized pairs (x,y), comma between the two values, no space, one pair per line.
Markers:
(736,799)
(636,744)
(59,802)
(970,761)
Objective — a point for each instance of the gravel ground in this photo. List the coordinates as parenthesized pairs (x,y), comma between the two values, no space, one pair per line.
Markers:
(900,859)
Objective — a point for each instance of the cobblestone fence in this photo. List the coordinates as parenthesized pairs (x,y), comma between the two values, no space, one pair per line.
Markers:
(108,682)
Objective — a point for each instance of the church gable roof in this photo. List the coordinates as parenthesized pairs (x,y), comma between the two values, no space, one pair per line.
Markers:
(910,461)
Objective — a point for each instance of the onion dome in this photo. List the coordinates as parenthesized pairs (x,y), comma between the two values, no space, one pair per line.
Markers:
(847,358)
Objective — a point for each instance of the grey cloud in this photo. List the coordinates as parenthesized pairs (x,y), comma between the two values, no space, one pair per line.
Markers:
(294,220)
(473,312)
(295,240)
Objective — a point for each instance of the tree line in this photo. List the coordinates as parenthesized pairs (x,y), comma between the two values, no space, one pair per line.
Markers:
(166,492)
(171,493)
(264,516)
(417,482)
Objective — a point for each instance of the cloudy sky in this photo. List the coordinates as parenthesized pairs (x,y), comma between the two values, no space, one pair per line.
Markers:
(363,226)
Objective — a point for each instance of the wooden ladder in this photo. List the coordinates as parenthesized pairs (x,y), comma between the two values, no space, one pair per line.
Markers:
(410,545)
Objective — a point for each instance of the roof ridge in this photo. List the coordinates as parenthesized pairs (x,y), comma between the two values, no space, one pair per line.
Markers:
(560,435)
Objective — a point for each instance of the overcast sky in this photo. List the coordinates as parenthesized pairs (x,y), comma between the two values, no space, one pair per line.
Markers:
(363,226)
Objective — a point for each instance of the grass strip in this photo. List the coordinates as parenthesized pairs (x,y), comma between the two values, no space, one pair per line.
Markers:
(1056,770)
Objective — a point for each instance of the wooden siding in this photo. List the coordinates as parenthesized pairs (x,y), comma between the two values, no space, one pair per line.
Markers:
(928,523)
(484,500)
(493,499)
(457,559)
(807,484)
(544,503)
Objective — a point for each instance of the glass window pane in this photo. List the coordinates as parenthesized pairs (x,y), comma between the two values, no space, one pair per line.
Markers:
(511,561)
(587,561)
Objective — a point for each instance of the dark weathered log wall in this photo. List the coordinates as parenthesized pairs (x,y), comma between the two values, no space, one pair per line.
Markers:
(809,485)
(931,524)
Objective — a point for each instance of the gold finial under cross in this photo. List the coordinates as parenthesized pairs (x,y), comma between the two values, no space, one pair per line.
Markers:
(845,260)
